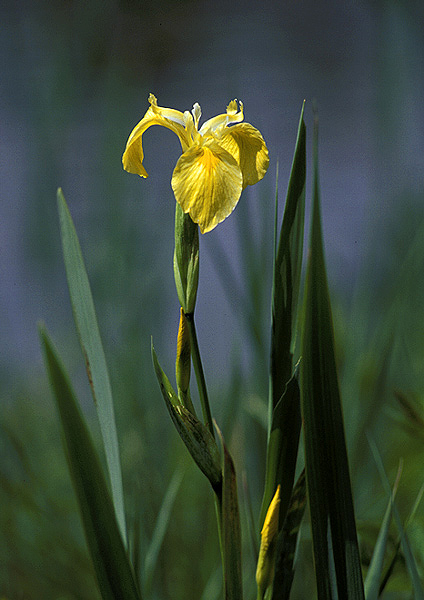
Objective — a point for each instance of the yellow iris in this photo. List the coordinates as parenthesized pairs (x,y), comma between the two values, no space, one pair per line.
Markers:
(217,162)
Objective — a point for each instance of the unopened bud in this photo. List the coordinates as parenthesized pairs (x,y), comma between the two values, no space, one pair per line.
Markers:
(266,560)
(183,360)
(186,259)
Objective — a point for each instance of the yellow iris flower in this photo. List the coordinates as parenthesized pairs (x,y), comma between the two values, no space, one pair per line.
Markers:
(217,162)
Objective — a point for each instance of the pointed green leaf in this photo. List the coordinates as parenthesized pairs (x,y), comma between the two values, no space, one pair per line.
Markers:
(397,553)
(390,568)
(373,578)
(282,448)
(251,520)
(161,526)
(231,532)
(375,570)
(213,587)
(287,271)
(113,571)
(91,345)
(405,544)
(284,421)
(337,563)
(194,434)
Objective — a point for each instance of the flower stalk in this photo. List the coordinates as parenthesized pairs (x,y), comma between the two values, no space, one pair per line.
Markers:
(200,376)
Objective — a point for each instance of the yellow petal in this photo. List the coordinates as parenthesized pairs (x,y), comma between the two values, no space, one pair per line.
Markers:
(246,144)
(170,114)
(207,183)
(174,120)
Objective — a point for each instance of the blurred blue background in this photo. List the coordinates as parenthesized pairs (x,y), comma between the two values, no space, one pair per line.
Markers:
(74,80)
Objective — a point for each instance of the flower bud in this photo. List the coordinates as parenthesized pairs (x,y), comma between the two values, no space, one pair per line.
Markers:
(186,259)
(183,360)
(266,560)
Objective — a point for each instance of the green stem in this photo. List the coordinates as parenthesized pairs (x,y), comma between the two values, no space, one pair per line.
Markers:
(207,415)
(200,376)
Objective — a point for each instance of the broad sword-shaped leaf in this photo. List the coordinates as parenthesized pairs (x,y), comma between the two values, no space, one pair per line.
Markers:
(231,531)
(92,348)
(337,563)
(284,402)
(113,570)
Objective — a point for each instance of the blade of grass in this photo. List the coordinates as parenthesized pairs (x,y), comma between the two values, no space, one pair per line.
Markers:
(375,570)
(213,587)
(397,554)
(134,544)
(92,348)
(406,547)
(112,568)
(250,519)
(161,526)
(335,544)
(390,568)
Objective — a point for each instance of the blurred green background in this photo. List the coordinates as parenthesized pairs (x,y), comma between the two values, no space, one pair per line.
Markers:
(75,78)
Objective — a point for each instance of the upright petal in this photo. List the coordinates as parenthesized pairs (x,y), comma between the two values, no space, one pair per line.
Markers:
(207,183)
(132,158)
(176,116)
(220,121)
(246,144)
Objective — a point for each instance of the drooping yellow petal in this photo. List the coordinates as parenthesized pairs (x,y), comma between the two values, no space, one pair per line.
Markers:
(174,120)
(207,183)
(246,144)
(170,114)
